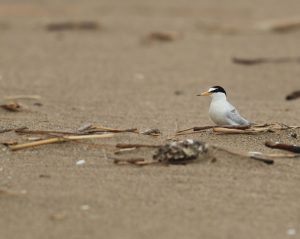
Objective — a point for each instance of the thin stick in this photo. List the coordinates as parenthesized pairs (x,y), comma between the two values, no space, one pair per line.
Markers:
(17,97)
(57,140)
(134,161)
(257,157)
(232,131)
(124,146)
(96,129)
(48,132)
(200,128)
(287,147)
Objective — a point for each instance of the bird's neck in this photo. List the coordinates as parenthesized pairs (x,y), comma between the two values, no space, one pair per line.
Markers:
(218,97)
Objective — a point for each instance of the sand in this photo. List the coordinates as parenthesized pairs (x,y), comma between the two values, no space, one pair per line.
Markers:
(111,77)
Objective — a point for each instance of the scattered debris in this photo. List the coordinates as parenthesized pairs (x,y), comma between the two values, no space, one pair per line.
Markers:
(58,140)
(34,138)
(152,132)
(90,129)
(125,146)
(256,61)
(121,151)
(181,152)
(12,106)
(202,128)
(11,129)
(294,135)
(161,36)
(39,104)
(287,147)
(135,161)
(294,95)
(280,26)
(25,130)
(258,156)
(80,162)
(178,92)
(247,129)
(71,26)
(85,127)
(8,143)
(188,151)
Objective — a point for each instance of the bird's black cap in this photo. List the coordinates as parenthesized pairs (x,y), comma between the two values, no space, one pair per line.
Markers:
(217,89)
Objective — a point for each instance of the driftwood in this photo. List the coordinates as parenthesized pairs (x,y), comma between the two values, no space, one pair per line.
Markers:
(287,147)
(247,129)
(58,140)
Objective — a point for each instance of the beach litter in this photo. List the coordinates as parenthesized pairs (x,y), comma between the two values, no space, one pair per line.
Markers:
(294,95)
(187,151)
(247,129)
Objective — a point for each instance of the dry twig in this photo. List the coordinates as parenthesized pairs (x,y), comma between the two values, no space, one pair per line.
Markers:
(255,61)
(71,26)
(287,147)
(161,36)
(58,140)
(12,106)
(294,95)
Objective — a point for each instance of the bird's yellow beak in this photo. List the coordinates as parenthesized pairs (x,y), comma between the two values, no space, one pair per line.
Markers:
(206,93)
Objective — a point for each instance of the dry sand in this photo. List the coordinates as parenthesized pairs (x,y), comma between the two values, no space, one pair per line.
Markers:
(109,77)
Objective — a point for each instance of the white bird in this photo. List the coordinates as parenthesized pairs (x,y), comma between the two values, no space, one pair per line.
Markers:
(221,111)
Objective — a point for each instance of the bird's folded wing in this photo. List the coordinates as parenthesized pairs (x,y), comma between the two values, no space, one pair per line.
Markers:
(235,118)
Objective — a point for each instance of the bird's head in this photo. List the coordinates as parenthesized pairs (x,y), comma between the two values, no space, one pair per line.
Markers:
(214,92)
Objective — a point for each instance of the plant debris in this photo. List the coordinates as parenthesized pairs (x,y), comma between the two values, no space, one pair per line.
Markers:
(256,61)
(152,132)
(248,129)
(58,140)
(22,97)
(7,192)
(12,106)
(181,152)
(71,26)
(90,129)
(287,147)
(161,36)
(280,26)
(294,95)
(126,146)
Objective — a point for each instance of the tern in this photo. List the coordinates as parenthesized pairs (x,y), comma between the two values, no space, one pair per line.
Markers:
(221,111)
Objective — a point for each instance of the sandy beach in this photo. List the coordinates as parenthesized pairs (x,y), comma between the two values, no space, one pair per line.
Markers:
(117,73)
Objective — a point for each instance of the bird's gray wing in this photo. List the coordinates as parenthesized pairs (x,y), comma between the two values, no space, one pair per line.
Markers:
(235,118)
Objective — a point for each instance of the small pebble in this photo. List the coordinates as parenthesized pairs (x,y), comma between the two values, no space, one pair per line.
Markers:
(84,207)
(294,135)
(291,232)
(80,162)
